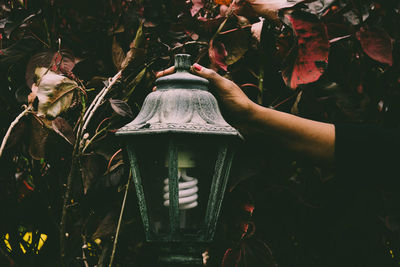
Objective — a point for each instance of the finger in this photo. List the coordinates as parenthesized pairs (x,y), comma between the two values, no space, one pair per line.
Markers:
(204,72)
(154,88)
(170,70)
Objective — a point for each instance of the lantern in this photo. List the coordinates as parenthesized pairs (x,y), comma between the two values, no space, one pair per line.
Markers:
(180,152)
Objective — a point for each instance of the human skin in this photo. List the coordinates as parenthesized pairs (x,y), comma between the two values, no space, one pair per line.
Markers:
(307,138)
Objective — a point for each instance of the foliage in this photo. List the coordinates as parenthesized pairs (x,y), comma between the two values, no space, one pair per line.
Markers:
(328,60)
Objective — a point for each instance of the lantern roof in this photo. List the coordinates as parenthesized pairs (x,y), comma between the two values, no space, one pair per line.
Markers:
(181,104)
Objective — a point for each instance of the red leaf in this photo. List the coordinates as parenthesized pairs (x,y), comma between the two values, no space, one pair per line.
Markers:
(217,54)
(377,44)
(197,5)
(308,60)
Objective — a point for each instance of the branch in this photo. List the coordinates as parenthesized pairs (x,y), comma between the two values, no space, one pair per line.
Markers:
(119,221)
(12,125)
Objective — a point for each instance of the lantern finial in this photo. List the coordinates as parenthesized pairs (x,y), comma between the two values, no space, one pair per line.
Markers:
(182,62)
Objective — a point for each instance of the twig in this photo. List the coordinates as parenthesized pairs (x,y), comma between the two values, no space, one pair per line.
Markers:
(119,221)
(84,258)
(97,101)
(189,43)
(12,125)
(228,14)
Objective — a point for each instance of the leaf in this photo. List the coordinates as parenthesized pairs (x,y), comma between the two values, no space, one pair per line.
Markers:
(55,92)
(133,84)
(39,134)
(59,63)
(270,8)
(121,108)
(256,29)
(136,53)
(223,2)
(63,128)
(19,50)
(118,54)
(196,6)
(308,59)
(11,26)
(295,108)
(236,43)
(217,54)
(106,227)
(377,44)
(17,133)
(93,167)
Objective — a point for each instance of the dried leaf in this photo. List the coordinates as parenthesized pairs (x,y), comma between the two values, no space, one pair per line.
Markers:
(55,92)
(308,60)
(377,44)
(217,54)
(118,54)
(121,108)
(63,128)
(107,226)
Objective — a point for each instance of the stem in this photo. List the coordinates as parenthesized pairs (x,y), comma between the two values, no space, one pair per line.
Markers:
(94,136)
(12,125)
(260,85)
(67,195)
(119,221)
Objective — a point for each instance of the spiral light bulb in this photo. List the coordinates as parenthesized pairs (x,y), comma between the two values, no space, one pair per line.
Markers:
(187,185)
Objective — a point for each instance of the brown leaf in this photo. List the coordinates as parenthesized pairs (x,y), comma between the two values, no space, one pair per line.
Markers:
(377,44)
(118,54)
(63,128)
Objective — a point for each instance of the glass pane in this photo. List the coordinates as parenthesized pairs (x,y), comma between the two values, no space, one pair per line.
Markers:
(151,155)
(195,166)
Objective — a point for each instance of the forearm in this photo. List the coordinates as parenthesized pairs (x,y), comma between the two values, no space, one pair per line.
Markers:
(311,139)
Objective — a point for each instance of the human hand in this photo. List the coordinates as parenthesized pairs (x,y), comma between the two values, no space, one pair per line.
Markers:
(232,97)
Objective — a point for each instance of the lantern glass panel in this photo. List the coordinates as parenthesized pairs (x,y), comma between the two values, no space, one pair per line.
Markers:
(193,159)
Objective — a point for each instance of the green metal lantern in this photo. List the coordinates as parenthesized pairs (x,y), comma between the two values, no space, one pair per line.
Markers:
(180,151)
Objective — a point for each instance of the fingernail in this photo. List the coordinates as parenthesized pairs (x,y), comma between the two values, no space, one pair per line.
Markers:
(197,67)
